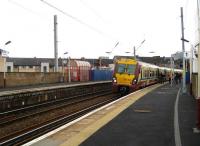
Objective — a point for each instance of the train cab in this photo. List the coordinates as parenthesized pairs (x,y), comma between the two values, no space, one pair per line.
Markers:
(124,78)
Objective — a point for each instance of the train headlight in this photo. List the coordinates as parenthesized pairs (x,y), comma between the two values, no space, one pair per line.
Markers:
(134,82)
(114,80)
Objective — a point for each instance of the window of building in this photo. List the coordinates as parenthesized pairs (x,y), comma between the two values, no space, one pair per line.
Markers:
(8,68)
(44,69)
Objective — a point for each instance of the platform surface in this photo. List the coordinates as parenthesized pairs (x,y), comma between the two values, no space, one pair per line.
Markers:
(141,119)
(150,122)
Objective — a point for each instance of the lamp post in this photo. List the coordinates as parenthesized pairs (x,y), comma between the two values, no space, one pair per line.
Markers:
(110,52)
(63,66)
(68,66)
(69,73)
(4,70)
(127,52)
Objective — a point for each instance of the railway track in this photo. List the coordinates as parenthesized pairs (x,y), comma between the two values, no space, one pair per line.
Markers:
(39,119)
(15,99)
(22,113)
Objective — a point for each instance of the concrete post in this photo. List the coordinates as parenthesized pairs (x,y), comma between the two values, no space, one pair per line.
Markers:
(55,43)
(183,50)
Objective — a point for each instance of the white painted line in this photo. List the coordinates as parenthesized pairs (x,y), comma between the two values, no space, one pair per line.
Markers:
(72,122)
(176,122)
(110,107)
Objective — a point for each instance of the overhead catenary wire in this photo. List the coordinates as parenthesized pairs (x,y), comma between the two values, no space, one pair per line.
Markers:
(92,10)
(66,14)
(28,9)
(88,6)
(75,19)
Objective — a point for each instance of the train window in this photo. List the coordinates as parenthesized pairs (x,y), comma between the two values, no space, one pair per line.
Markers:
(121,68)
(146,73)
(154,73)
(130,69)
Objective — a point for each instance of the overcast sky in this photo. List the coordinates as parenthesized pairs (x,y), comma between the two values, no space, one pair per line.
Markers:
(96,27)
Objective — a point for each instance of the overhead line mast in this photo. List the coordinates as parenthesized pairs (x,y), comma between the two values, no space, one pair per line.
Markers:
(55,43)
(183,50)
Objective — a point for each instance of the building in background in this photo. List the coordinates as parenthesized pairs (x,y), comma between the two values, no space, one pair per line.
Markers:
(47,64)
(32,64)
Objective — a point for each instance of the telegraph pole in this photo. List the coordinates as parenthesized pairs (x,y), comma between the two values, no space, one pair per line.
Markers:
(183,50)
(134,52)
(55,43)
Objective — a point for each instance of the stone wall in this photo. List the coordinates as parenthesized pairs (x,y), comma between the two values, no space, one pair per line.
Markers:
(14,79)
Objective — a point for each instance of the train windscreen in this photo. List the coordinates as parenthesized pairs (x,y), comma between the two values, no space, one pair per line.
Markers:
(121,68)
(126,68)
(130,68)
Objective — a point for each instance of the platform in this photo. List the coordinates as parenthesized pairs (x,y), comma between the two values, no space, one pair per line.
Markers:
(144,118)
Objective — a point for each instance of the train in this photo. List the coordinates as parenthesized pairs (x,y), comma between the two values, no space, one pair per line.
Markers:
(130,74)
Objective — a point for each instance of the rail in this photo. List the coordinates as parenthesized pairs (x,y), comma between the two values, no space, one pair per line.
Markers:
(30,132)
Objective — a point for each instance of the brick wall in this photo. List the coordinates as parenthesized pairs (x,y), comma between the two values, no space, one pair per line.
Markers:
(14,79)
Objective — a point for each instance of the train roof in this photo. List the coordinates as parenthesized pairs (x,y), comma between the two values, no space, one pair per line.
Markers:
(167,68)
(123,57)
(148,64)
(158,67)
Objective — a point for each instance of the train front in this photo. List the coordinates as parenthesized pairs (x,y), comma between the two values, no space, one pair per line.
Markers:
(124,77)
